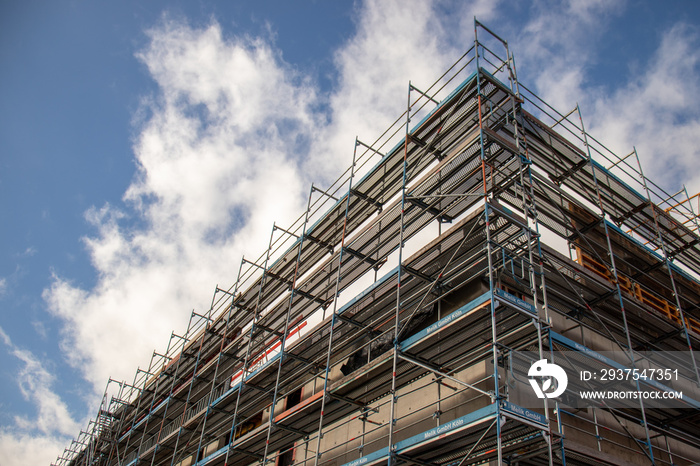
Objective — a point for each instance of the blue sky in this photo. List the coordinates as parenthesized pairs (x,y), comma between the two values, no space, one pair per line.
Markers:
(136,140)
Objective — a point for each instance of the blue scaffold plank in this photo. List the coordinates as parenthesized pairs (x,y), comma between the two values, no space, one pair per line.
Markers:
(480,415)
(445,321)
(263,366)
(524,413)
(515,301)
(217,454)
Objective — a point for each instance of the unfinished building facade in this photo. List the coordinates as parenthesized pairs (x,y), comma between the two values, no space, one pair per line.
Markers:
(380,328)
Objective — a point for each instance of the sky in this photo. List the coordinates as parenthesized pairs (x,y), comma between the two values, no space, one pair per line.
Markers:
(146,146)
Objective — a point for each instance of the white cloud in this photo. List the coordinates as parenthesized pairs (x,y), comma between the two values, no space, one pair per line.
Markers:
(557,46)
(214,170)
(396,41)
(3,287)
(35,383)
(40,328)
(50,428)
(21,449)
(656,111)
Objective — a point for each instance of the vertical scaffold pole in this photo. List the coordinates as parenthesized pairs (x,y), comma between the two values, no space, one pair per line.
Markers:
(669,266)
(153,399)
(613,268)
(530,212)
(152,407)
(138,406)
(222,347)
(397,314)
(175,375)
(251,333)
(327,372)
(114,449)
(494,350)
(189,389)
(136,409)
(286,327)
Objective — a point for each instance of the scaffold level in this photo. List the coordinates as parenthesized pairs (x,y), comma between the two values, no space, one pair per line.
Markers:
(380,327)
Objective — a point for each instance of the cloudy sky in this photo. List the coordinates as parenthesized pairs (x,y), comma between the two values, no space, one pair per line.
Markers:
(145,146)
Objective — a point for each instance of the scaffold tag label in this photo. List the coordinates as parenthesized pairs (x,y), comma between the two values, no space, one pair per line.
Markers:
(516,301)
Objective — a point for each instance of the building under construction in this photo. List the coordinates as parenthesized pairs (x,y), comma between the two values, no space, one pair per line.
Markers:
(380,328)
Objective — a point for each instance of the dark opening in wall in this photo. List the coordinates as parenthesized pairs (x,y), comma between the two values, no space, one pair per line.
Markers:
(286,457)
(249,424)
(293,399)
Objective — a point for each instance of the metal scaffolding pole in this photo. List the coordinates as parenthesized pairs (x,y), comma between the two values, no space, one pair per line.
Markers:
(528,198)
(189,391)
(246,361)
(228,328)
(138,405)
(611,255)
(496,397)
(669,266)
(397,318)
(285,333)
(334,315)
(173,384)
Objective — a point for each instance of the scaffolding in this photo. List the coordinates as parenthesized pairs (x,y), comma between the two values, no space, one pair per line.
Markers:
(379,328)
